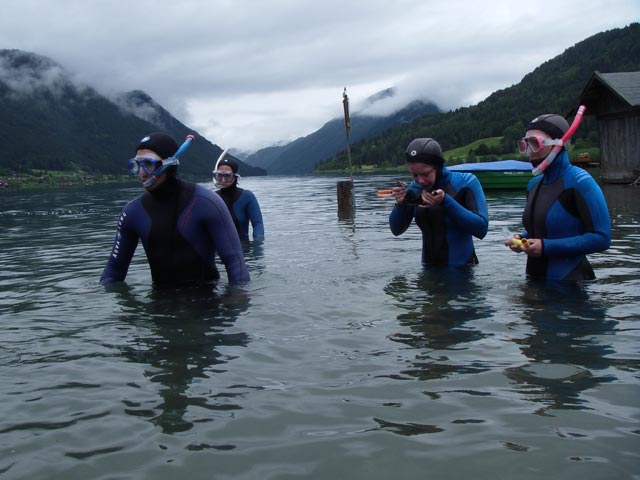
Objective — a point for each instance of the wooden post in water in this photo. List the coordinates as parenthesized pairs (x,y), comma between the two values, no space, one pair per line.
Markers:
(346,204)
(345,200)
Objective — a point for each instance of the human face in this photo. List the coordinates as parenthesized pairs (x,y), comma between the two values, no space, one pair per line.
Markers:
(146,173)
(224,176)
(536,157)
(423,174)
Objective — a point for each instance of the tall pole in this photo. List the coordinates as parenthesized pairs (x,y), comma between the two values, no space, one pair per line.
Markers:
(346,209)
(347,127)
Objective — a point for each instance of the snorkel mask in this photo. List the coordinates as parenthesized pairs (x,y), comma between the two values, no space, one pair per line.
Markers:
(559,144)
(221,175)
(155,167)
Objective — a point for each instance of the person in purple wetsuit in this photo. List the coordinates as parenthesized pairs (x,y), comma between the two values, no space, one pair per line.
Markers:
(182,226)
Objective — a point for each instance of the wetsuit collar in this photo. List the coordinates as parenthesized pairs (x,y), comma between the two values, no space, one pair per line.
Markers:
(554,171)
(444,178)
(230,191)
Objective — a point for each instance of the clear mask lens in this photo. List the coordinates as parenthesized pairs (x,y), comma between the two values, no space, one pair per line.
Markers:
(149,165)
(224,176)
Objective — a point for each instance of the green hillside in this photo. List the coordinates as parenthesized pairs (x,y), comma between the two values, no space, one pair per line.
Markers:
(57,132)
(553,87)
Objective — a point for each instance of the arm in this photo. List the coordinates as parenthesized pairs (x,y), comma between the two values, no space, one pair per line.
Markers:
(473,216)
(400,219)
(224,235)
(255,216)
(594,215)
(123,249)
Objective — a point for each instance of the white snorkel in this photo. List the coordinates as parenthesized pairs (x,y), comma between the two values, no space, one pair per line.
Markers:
(564,141)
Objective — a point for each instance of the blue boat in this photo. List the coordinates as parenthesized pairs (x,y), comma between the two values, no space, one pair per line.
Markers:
(501,174)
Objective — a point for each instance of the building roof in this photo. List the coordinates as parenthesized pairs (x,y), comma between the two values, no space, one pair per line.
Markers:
(624,85)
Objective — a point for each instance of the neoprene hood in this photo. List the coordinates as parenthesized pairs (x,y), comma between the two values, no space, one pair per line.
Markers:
(425,150)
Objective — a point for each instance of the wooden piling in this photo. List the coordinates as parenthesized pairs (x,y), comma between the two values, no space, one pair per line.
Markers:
(346,204)
(345,199)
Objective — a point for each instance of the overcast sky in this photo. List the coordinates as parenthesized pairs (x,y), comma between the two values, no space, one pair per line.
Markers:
(247,74)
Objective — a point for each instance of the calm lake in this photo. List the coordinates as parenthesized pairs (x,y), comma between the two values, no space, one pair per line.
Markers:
(345,360)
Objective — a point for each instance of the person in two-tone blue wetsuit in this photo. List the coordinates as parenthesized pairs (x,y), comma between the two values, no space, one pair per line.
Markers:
(182,225)
(449,207)
(566,216)
(242,203)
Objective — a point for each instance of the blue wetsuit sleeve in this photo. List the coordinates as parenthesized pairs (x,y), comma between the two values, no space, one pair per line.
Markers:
(123,248)
(594,215)
(255,216)
(222,230)
(472,218)
(400,219)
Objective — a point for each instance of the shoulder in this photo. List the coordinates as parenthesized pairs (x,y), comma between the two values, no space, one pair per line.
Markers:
(580,179)
(248,193)
(207,199)
(532,183)
(203,192)
(460,180)
(134,204)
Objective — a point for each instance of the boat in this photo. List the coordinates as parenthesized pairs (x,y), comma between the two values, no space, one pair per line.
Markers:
(501,174)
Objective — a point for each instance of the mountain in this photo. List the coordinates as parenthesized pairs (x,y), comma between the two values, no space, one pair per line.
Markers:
(50,122)
(302,155)
(553,87)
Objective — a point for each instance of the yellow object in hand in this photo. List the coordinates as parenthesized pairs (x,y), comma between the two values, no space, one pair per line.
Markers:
(519,242)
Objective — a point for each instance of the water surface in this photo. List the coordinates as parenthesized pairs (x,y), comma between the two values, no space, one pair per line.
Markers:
(346,359)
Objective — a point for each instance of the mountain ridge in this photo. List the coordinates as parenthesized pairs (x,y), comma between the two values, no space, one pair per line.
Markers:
(303,154)
(553,86)
(50,122)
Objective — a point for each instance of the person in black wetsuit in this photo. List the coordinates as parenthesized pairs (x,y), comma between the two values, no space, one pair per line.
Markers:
(566,216)
(242,203)
(182,225)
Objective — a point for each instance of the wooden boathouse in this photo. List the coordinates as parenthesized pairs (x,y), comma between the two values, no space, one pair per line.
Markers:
(614,98)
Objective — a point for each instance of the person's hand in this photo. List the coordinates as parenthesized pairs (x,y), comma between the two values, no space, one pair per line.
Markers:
(533,247)
(431,198)
(514,243)
(399,193)
(530,246)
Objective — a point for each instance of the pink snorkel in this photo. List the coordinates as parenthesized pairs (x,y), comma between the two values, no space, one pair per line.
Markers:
(565,138)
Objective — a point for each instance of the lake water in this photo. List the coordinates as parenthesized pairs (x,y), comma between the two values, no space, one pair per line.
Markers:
(346,359)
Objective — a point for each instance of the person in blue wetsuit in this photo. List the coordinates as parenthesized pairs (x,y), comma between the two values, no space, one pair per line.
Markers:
(566,216)
(242,203)
(449,207)
(182,225)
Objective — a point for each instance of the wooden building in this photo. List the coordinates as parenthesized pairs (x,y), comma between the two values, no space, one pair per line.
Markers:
(614,98)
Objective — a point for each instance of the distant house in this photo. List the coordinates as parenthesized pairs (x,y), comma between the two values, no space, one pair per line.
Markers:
(615,100)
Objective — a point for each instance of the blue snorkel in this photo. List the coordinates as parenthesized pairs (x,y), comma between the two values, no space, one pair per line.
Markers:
(169,162)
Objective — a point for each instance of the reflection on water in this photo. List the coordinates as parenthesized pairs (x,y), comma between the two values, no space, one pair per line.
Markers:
(344,360)
(178,338)
(566,345)
(440,307)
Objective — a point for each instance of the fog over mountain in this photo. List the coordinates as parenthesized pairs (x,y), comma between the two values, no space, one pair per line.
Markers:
(53,122)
